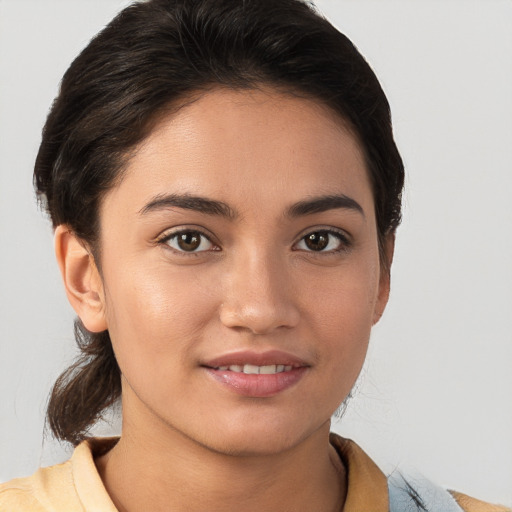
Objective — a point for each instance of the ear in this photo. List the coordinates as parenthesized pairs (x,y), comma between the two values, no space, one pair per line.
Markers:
(81,277)
(384,279)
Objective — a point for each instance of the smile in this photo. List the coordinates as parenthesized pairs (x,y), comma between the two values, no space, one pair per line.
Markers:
(257,375)
(251,369)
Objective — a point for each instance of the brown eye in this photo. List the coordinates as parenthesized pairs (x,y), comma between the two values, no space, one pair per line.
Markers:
(317,241)
(189,241)
(322,241)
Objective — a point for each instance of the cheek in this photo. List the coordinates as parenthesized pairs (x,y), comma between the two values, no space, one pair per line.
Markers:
(341,311)
(153,308)
(346,299)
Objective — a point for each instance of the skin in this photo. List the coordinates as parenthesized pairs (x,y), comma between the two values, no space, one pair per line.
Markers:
(187,439)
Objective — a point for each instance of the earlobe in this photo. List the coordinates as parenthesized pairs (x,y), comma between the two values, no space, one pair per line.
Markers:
(384,279)
(82,281)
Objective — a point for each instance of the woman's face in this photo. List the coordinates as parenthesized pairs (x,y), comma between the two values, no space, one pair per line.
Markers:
(240,271)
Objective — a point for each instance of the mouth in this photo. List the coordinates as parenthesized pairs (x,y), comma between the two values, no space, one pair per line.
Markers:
(257,375)
(251,369)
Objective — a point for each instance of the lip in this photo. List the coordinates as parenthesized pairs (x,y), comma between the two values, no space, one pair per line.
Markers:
(256,358)
(257,385)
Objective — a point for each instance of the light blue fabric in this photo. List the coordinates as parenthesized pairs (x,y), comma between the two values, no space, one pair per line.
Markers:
(417,494)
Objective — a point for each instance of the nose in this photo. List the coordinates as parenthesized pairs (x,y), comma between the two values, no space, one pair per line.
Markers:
(258,295)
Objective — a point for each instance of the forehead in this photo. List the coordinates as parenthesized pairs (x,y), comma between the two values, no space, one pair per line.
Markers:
(247,146)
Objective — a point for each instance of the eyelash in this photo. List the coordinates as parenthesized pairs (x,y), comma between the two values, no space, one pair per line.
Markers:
(343,239)
(167,237)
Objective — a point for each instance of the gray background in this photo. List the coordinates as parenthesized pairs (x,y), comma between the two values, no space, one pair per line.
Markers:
(435,393)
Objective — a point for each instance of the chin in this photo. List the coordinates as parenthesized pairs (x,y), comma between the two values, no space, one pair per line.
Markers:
(252,445)
(259,437)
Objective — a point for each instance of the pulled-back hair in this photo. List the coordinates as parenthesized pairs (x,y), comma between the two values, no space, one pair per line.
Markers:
(149,61)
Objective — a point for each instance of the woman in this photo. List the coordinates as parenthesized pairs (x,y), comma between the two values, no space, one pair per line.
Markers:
(225,190)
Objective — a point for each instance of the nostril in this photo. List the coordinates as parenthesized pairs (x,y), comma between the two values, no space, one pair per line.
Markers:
(259,318)
(258,293)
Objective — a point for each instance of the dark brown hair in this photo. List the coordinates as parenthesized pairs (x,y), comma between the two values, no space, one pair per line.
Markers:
(152,57)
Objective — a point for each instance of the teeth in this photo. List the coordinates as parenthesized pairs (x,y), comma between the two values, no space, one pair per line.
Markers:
(252,369)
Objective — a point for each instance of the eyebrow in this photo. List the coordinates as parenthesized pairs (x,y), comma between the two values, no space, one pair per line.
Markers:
(189,202)
(322,204)
(213,207)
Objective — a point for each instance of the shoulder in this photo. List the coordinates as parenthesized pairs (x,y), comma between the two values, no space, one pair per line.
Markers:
(469,504)
(15,497)
(35,493)
(409,493)
(74,486)
(398,492)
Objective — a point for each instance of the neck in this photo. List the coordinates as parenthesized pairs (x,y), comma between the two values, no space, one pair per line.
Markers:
(169,470)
